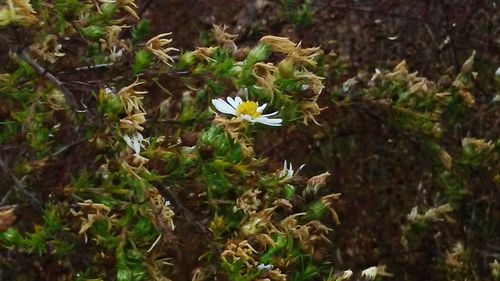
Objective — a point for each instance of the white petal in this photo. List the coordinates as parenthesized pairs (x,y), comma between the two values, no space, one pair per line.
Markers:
(137,146)
(261,108)
(269,114)
(232,102)
(139,137)
(301,167)
(268,121)
(238,101)
(128,141)
(223,106)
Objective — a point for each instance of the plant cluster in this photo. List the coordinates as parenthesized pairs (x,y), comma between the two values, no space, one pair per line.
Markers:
(125,158)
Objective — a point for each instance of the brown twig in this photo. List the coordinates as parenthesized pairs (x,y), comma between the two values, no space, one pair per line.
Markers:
(189,216)
(40,70)
(20,187)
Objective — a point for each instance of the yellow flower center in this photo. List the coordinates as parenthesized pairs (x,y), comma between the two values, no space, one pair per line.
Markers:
(248,108)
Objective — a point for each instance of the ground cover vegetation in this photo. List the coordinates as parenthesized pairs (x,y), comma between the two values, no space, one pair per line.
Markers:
(257,140)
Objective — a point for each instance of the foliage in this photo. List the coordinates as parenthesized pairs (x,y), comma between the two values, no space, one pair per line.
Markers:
(128,159)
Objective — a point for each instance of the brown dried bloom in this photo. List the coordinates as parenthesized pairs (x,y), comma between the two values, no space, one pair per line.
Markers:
(400,72)
(112,41)
(94,212)
(446,159)
(48,50)
(259,222)
(314,82)
(273,275)
(133,122)
(17,11)
(205,53)
(433,214)
(163,207)
(310,109)
(131,99)
(127,5)
(454,258)
(157,44)
(279,44)
(467,97)
(311,235)
(224,38)
(7,217)
(248,202)
(232,127)
(316,182)
(328,201)
(295,52)
(134,164)
(242,251)
(264,73)
(477,144)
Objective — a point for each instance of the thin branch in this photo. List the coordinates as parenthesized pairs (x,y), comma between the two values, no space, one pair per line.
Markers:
(370,11)
(189,216)
(145,8)
(43,72)
(20,187)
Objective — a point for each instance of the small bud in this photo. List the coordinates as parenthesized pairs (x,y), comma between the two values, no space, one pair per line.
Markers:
(286,68)
(469,63)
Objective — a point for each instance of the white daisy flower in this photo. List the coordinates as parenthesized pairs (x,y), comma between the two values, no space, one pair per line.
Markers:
(288,171)
(134,141)
(370,273)
(247,110)
(265,266)
(345,275)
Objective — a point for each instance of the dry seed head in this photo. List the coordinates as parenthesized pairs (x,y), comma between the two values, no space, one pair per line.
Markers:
(131,99)
(205,53)
(446,159)
(7,217)
(249,202)
(48,50)
(478,144)
(469,63)
(279,44)
(18,11)
(156,45)
(133,122)
(467,97)
(224,38)
(127,5)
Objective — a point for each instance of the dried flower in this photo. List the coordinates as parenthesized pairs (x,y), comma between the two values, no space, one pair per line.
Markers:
(127,5)
(248,202)
(7,217)
(133,122)
(224,38)
(445,159)
(157,44)
(17,11)
(316,182)
(48,50)
(131,99)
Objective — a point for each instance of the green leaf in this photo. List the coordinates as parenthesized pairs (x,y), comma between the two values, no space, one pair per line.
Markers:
(94,32)
(142,59)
